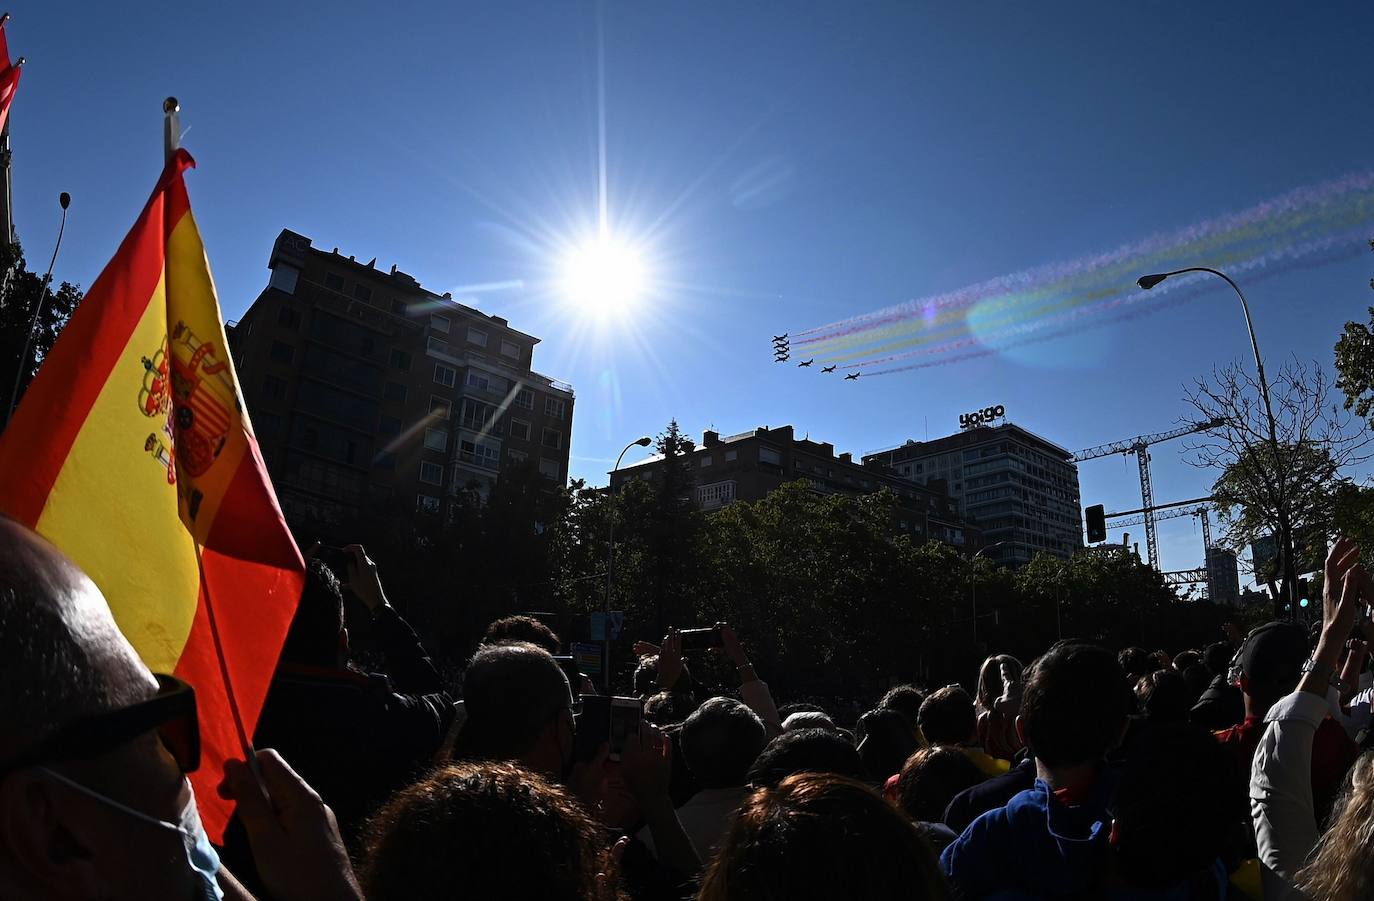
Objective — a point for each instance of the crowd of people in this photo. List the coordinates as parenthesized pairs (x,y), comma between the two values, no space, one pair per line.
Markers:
(1232,771)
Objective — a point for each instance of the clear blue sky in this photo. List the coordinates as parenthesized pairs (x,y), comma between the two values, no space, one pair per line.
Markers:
(793,164)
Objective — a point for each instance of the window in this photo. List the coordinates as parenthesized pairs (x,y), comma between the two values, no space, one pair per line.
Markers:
(384,461)
(731,456)
(395,391)
(389,425)
(274,388)
(524,399)
(438,323)
(486,382)
(400,359)
(519,428)
(399,307)
(439,407)
(554,407)
(290,317)
(333,281)
(431,473)
(517,456)
(362,292)
(475,415)
(436,440)
(445,375)
(283,278)
(549,469)
(425,503)
(553,439)
(510,349)
(705,461)
(266,424)
(282,352)
(477,337)
(770,455)
(480,454)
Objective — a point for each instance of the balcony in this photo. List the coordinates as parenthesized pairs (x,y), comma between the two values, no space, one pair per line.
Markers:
(442,350)
(715,495)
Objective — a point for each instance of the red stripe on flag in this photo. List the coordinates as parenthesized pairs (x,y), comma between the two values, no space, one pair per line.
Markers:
(210,414)
(76,369)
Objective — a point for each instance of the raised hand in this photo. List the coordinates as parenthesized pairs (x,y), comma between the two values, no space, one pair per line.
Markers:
(670,661)
(1342,558)
(363,579)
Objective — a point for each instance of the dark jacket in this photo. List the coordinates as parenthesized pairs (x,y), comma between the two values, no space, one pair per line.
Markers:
(358,737)
(1036,846)
(971,803)
(1220,707)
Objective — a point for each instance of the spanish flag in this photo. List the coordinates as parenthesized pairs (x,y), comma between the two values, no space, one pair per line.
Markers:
(133,454)
(9,75)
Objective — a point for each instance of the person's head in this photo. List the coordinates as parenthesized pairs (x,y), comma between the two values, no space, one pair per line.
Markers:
(1072,708)
(1173,808)
(1185,659)
(821,836)
(667,709)
(720,741)
(990,683)
(1136,663)
(1164,697)
(1197,678)
(1271,664)
(317,636)
(786,710)
(931,778)
(485,830)
(519,708)
(804,751)
(888,740)
(527,629)
(646,678)
(906,700)
(947,717)
(1217,658)
(65,665)
(1343,864)
(807,719)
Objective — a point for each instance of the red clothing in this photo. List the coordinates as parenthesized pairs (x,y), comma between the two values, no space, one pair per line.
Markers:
(1333,753)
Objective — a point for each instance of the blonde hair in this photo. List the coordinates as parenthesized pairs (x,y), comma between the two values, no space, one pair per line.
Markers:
(990,685)
(1342,867)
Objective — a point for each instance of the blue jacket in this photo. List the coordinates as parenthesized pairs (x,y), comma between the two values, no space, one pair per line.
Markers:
(1035,846)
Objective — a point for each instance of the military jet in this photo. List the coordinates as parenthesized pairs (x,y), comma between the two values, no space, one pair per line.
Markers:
(828,368)
(807,362)
(852,376)
(782,337)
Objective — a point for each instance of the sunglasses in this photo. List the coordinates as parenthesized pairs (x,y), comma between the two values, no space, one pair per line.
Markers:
(172,712)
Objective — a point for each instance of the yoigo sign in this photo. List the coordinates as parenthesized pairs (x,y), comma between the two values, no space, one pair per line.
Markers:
(981,417)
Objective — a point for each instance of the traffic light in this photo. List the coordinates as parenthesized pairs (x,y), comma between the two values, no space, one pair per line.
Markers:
(1096,516)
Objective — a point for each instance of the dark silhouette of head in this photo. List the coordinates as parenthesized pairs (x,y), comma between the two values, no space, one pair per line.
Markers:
(1271,664)
(1073,709)
(1217,658)
(668,709)
(1164,697)
(485,830)
(905,699)
(931,778)
(948,718)
(888,740)
(808,719)
(1136,663)
(1184,659)
(646,678)
(990,684)
(804,751)
(510,629)
(818,835)
(519,708)
(63,660)
(317,636)
(720,741)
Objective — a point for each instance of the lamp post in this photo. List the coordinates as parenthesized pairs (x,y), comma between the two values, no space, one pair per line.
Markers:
(1285,529)
(973,587)
(610,565)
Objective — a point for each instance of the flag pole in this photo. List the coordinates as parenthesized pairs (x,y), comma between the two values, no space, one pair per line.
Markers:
(171,128)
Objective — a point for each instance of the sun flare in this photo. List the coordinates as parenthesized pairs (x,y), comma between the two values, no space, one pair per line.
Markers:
(604,277)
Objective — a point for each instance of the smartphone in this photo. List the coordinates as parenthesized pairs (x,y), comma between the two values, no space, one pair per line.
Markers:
(336,558)
(569,667)
(625,716)
(697,640)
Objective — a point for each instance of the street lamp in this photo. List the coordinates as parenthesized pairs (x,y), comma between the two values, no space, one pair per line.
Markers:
(610,564)
(1285,531)
(973,586)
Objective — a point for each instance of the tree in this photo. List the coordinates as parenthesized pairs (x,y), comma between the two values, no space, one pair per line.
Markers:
(1355,364)
(1286,487)
(20,298)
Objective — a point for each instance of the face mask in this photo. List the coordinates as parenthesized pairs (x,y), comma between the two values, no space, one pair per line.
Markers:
(200,854)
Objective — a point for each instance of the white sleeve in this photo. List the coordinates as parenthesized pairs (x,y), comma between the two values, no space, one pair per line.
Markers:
(759,699)
(1281,790)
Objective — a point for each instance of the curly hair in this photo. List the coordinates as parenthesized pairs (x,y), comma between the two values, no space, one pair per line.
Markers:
(1342,867)
(931,778)
(487,830)
(818,835)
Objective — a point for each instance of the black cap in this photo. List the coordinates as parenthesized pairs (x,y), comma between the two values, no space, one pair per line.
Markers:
(1274,653)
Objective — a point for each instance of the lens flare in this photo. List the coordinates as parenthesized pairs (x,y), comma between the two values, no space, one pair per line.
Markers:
(604,277)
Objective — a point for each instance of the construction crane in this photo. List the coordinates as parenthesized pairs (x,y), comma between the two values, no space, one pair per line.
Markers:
(1139,446)
(1201,512)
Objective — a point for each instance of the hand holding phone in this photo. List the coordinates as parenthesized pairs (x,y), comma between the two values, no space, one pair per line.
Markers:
(700,640)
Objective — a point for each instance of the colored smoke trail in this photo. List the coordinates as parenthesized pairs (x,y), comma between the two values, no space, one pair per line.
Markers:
(1321,221)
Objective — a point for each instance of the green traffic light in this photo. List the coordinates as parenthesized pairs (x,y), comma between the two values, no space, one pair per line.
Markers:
(1302,603)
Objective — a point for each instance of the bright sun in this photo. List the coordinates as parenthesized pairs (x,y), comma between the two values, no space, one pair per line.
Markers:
(604,277)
